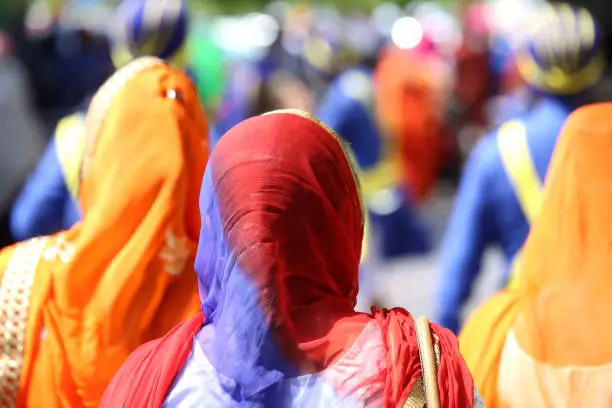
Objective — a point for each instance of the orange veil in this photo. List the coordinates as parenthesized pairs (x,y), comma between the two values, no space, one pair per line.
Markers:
(557,321)
(75,305)
(410,90)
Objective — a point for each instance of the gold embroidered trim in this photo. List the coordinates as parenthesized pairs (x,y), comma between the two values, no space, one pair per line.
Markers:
(59,249)
(345,148)
(417,397)
(175,253)
(15,292)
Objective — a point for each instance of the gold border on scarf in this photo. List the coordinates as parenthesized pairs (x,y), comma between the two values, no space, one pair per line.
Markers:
(345,148)
(15,292)
(417,397)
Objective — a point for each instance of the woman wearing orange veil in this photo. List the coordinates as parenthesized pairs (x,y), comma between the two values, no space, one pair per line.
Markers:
(548,342)
(410,88)
(74,305)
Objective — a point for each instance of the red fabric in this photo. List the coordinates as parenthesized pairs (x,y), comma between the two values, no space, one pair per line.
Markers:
(146,377)
(289,204)
(473,80)
(404,367)
(290,208)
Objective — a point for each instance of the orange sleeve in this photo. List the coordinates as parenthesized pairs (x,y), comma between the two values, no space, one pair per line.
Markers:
(482,341)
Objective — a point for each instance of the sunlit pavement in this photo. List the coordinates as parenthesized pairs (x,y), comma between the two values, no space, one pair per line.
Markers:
(410,283)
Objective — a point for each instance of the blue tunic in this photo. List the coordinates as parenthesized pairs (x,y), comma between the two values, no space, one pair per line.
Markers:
(347,108)
(45,205)
(487,212)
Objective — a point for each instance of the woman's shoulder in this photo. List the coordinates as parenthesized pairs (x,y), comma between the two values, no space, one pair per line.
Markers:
(23,254)
(149,371)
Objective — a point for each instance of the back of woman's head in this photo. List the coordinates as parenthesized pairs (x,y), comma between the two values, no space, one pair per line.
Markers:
(566,287)
(288,202)
(282,227)
(145,132)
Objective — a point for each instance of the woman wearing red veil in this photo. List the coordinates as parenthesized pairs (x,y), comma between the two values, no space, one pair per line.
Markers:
(282,227)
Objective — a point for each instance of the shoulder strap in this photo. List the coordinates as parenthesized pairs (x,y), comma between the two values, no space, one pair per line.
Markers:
(512,143)
(428,362)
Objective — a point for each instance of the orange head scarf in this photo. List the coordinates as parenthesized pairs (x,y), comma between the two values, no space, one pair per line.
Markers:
(410,88)
(566,288)
(559,313)
(121,276)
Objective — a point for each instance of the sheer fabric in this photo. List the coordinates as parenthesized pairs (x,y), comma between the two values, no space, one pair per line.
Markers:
(81,301)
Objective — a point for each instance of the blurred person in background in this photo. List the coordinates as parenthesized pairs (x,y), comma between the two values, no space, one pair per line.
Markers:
(22,135)
(546,343)
(474,82)
(501,188)
(279,252)
(349,107)
(65,52)
(279,79)
(393,229)
(48,203)
(77,303)
(411,85)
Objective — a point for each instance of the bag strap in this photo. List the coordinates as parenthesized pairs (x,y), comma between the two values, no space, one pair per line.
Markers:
(428,362)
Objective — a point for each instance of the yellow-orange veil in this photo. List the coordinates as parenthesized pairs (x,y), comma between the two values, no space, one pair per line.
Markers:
(566,288)
(559,314)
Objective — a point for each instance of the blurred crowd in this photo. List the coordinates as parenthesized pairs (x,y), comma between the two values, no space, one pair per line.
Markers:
(361,73)
(473,97)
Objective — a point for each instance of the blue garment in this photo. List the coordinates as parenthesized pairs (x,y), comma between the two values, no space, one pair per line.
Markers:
(44,206)
(400,229)
(199,381)
(237,101)
(347,108)
(487,212)
(213,135)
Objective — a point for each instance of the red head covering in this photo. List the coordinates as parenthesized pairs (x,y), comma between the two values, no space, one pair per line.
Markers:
(282,225)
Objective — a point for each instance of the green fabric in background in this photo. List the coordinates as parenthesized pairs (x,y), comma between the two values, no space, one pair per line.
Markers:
(9,12)
(207,63)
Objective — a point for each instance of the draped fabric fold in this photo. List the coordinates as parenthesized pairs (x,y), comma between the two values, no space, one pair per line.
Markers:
(547,341)
(120,277)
